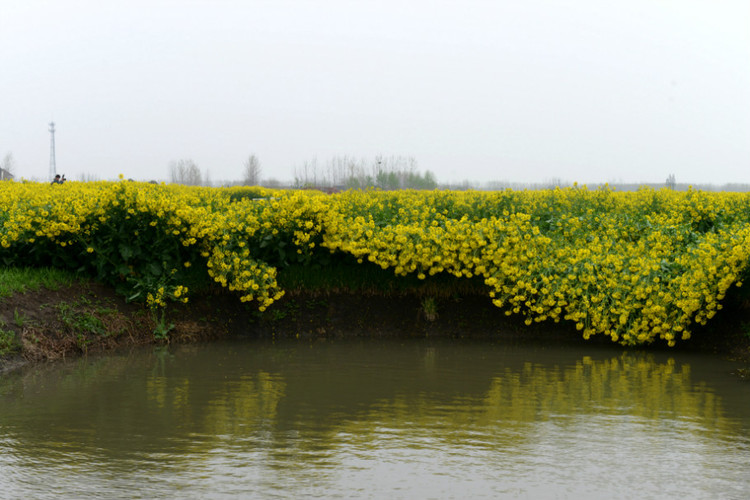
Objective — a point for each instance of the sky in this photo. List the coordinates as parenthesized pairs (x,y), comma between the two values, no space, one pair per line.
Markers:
(501,90)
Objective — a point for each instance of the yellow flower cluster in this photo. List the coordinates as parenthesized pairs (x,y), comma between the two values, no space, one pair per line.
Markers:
(78,213)
(635,266)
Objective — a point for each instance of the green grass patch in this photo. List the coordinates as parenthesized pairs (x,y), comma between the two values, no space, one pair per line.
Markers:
(7,338)
(19,319)
(80,321)
(25,279)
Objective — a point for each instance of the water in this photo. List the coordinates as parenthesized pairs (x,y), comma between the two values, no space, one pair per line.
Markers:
(376,419)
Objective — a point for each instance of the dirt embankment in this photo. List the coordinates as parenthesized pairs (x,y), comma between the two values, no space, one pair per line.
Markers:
(52,324)
(87,317)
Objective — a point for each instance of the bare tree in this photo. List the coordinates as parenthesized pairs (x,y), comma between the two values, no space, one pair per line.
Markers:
(7,167)
(185,172)
(307,175)
(252,171)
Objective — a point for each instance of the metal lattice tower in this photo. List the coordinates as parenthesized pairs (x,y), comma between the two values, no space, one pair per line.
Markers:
(52,166)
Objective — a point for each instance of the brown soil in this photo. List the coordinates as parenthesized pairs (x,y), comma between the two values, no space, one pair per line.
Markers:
(52,324)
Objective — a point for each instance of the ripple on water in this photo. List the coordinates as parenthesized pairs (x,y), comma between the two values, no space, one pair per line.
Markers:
(393,421)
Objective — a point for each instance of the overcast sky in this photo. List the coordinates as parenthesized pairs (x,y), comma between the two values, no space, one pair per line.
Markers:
(506,90)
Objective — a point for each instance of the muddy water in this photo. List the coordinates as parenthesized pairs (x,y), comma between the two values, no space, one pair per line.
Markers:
(376,419)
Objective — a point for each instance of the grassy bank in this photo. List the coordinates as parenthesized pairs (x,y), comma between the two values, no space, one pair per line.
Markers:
(25,279)
(48,314)
(74,317)
(20,281)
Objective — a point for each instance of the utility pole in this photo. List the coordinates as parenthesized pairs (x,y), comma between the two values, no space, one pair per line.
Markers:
(52,166)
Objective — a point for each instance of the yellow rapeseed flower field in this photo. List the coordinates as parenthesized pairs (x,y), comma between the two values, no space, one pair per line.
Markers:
(635,266)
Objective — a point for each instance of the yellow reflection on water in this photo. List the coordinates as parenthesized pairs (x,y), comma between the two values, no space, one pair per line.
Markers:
(453,419)
(630,385)
(251,399)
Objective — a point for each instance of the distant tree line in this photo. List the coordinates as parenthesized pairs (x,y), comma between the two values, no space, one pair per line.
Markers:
(187,172)
(382,172)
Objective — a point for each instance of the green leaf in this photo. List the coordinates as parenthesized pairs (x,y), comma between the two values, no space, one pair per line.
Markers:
(155,269)
(125,251)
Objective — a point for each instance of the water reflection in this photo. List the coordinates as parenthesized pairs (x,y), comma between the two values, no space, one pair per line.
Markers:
(368,417)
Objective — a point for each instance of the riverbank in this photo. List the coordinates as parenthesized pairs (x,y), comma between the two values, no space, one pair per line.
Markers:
(86,317)
(639,267)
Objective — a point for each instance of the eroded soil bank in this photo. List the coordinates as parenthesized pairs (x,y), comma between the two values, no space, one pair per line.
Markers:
(88,317)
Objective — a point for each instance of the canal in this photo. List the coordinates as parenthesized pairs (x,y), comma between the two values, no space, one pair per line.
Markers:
(377,418)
